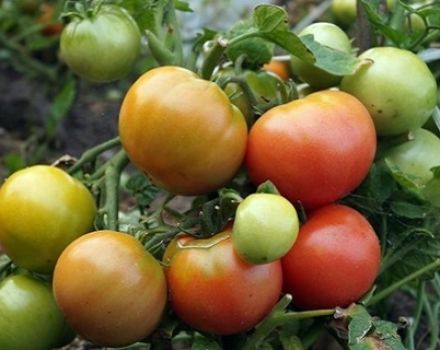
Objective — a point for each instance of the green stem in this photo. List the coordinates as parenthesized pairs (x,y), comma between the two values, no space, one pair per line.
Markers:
(112,179)
(92,153)
(397,21)
(414,325)
(395,286)
(160,52)
(213,58)
(176,34)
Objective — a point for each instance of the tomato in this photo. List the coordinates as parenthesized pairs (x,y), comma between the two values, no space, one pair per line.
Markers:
(334,261)
(265,86)
(417,156)
(327,34)
(280,68)
(265,227)
(48,18)
(397,102)
(213,290)
(345,11)
(315,150)
(42,210)
(110,289)
(182,131)
(30,318)
(103,47)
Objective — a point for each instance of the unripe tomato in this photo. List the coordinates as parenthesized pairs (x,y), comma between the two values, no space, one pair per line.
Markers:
(417,156)
(213,290)
(345,11)
(327,34)
(182,131)
(265,228)
(103,47)
(110,289)
(42,210)
(334,261)
(30,318)
(315,150)
(398,102)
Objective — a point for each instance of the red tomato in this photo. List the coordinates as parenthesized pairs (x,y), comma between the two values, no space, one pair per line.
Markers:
(315,150)
(334,261)
(214,291)
(110,289)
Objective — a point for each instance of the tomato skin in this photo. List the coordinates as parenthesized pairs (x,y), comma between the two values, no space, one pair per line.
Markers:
(42,210)
(397,103)
(102,48)
(315,150)
(265,228)
(29,314)
(334,261)
(327,34)
(182,131)
(214,291)
(280,68)
(110,289)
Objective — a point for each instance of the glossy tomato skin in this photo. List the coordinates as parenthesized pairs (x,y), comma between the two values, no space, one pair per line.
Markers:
(327,34)
(110,289)
(265,228)
(103,47)
(30,318)
(214,291)
(315,150)
(42,210)
(334,261)
(397,102)
(182,131)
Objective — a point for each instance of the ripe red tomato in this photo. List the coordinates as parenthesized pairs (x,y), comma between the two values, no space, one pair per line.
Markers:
(315,150)
(110,289)
(182,131)
(214,291)
(334,260)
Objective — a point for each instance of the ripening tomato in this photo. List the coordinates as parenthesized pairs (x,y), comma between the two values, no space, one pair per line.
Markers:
(213,290)
(30,318)
(42,210)
(102,47)
(265,227)
(182,131)
(110,289)
(327,34)
(315,150)
(334,261)
(397,102)
(278,67)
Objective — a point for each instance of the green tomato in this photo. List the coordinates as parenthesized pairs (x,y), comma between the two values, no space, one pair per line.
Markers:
(345,11)
(103,47)
(30,318)
(417,156)
(397,88)
(327,34)
(265,228)
(42,210)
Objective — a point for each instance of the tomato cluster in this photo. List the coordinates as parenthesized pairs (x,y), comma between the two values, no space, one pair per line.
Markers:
(192,138)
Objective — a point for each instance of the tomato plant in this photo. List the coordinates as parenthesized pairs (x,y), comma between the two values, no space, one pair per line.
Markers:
(109,288)
(265,227)
(334,261)
(396,103)
(185,146)
(278,67)
(102,45)
(327,34)
(215,291)
(326,138)
(42,209)
(30,316)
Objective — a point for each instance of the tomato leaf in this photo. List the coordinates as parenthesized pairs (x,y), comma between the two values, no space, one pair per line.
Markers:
(203,342)
(182,6)
(271,21)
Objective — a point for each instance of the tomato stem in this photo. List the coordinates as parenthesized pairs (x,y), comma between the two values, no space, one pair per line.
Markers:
(395,286)
(91,154)
(160,53)
(213,58)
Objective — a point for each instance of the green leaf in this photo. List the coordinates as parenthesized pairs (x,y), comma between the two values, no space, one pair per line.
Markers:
(182,6)
(360,324)
(60,107)
(410,210)
(202,342)
(13,162)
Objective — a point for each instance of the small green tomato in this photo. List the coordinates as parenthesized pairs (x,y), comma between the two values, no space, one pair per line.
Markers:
(265,228)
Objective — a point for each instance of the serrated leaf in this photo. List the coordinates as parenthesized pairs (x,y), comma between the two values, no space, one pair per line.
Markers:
(360,323)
